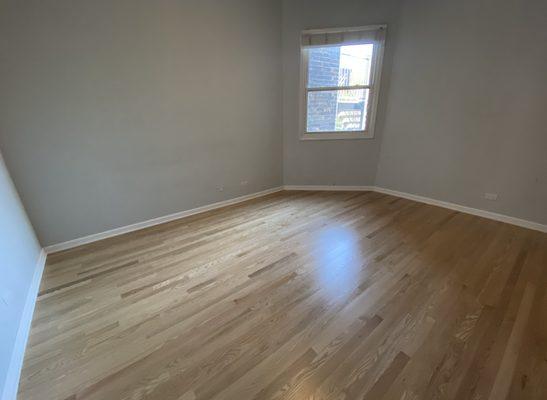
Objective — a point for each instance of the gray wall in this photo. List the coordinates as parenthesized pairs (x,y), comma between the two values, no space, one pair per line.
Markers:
(339,162)
(114,112)
(462,108)
(467,105)
(19,253)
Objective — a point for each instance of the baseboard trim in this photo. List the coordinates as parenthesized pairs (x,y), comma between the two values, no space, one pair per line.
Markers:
(155,221)
(16,363)
(335,188)
(167,218)
(427,200)
(464,209)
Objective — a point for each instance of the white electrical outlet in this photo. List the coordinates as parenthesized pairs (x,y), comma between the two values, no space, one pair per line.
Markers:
(220,188)
(491,196)
(244,183)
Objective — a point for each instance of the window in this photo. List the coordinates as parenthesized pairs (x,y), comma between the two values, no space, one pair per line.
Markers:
(340,82)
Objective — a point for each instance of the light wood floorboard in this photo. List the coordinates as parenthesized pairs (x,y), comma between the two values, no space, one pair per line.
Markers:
(297,295)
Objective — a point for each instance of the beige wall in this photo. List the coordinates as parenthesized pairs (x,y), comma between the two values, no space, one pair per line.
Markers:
(115,112)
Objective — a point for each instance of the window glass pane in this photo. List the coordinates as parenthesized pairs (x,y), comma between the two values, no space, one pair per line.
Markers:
(339,65)
(337,110)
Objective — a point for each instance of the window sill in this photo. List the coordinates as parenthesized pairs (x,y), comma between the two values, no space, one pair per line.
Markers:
(336,136)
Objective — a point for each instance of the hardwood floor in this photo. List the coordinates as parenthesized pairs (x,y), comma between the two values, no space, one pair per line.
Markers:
(297,295)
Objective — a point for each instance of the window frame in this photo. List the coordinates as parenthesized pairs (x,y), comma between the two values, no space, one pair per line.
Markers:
(373,87)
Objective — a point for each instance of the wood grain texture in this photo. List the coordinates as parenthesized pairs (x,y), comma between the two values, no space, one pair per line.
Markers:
(297,295)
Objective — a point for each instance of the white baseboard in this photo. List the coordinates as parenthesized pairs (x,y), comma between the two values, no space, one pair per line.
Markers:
(12,380)
(422,199)
(468,210)
(427,200)
(16,364)
(155,221)
(335,188)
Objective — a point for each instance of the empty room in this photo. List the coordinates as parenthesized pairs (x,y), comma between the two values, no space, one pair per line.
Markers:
(273,199)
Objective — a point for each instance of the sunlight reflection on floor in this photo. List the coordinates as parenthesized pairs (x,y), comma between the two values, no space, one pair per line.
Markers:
(337,259)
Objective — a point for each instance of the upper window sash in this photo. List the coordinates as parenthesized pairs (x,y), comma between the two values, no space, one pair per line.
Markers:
(341,37)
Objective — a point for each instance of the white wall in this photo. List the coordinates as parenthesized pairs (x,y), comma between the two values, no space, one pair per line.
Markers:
(467,105)
(117,111)
(19,253)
